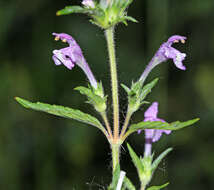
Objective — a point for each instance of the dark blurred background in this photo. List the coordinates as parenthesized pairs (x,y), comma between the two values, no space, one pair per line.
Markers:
(39,151)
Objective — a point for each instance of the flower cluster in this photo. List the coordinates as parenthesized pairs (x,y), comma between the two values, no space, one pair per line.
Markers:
(107,14)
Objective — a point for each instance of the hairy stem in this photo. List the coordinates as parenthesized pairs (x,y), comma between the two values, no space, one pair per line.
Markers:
(126,122)
(105,119)
(115,148)
(113,68)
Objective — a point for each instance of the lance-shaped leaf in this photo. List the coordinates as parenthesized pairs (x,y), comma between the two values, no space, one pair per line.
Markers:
(72,9)
(159,158)
(62,112)
(127,184)
(136,160)
(158,187)
(143,166)
(159,125)
(147,89)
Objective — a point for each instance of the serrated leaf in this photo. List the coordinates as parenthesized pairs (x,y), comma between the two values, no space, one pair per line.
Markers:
(158,187)
(72,9)
(147,89)
(95,97)
(62,111)
(127,184)
(159,158)
(90,94)
(135,159)
(160,125)
(115,178)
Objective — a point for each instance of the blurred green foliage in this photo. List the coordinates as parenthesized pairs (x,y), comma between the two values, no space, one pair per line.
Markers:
(39,151)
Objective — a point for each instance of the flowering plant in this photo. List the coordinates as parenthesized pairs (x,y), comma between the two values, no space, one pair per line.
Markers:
(107,14)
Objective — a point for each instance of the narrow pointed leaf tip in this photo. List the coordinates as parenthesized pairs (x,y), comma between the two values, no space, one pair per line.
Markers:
(62,112)
(71,9)
(158,187)
(160,158)
(135,159)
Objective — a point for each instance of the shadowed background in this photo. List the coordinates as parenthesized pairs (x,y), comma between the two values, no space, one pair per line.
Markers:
(39,151)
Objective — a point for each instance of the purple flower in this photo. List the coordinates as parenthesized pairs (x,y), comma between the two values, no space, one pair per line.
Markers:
(88,3)
(165,52)
(71,56)
(152,135)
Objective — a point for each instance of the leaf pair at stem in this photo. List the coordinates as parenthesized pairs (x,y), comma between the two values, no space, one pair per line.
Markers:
(136,96)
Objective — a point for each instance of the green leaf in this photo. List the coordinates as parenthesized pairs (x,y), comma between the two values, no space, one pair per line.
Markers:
(72,9)
(137,94)
(160,125)
(147,89)
(131,19)
(115,178)
(95,96)
(127,184)
(159,158)
(125,88)
(62,112)
(136,160)
(158,187)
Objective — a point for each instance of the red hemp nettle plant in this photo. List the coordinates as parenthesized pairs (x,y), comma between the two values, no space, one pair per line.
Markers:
(106,14)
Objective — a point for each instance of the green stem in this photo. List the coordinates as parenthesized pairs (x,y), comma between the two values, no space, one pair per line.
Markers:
(113,68)
(105,119)
(115,148)
(126,122)
(123,138)
(142,187)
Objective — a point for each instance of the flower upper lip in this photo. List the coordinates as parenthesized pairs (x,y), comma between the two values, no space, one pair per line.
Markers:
(176,39)
(63,36)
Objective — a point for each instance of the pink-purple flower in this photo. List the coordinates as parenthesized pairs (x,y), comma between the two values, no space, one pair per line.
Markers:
(71,56)
(165,52)
(152,135)
(88,3)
